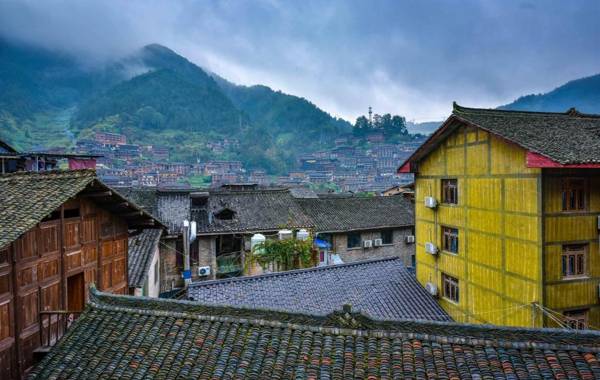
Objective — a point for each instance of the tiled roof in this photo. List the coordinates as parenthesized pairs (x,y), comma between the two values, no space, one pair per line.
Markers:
(567,138)
(140,338)
(382,289)
(141,250)
(358,213)
(254,210)
(28,197)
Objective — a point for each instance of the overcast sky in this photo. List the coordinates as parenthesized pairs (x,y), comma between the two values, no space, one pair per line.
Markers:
(407,57)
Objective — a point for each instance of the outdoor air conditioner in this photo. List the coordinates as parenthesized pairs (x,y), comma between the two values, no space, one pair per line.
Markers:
(410,239)
(367,243)
(431,248)
(430,202)
(204,271)
(378,242)
(432,289)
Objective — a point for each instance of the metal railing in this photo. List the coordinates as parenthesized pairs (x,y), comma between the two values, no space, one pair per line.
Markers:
(54,324)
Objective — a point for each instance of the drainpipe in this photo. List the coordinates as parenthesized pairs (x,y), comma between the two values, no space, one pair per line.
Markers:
(187,273)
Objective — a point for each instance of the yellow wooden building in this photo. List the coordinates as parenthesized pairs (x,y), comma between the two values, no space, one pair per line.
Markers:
(507,217)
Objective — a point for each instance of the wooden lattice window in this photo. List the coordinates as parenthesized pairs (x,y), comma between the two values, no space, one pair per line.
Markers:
(450,239)
(574,194)
(574,259)
(576,319)
(450,191)
(451,289)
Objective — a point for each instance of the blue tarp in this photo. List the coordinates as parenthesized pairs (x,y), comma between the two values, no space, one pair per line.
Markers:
(322,244)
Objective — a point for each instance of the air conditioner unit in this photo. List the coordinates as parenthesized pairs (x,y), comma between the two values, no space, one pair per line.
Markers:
(431,248)
(430,202)
(378,242)
(410,239)
(367,243)
(204,271)
(432,289)
(599,222)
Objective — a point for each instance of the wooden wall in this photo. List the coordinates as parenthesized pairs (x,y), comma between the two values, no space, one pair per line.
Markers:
(78,239)
(575,227)
(498,217)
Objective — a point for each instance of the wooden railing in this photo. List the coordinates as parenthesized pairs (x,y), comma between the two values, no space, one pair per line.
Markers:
(54,324)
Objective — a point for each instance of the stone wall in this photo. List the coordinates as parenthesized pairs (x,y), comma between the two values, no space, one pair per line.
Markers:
(399,247)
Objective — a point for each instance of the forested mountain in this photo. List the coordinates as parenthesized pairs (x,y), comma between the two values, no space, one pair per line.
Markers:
(154,96)
(583,94)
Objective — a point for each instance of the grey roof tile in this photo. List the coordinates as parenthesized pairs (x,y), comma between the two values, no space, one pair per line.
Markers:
(141,249)
(141,338)
(382,289)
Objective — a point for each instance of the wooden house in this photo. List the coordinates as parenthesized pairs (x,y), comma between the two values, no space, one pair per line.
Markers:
(60,231)
(507,217)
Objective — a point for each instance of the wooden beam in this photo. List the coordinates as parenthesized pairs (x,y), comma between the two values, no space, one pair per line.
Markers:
(129,214)
(97,194)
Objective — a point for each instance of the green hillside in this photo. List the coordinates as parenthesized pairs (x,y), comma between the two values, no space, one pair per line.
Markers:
(583,94)
(154,96)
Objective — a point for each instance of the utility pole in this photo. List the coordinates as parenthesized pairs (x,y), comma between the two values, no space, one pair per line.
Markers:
(187,273)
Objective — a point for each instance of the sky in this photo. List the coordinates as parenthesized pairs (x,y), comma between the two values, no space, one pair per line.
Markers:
(405,57)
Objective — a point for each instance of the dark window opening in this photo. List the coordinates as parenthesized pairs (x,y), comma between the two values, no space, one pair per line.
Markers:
(53,216)
(450,239)
(229,256)
(451,290)
(450,191)
(354,239)
(574,194)
(574,260)
(225,214)
(199,202)
(72,213)
(387,237)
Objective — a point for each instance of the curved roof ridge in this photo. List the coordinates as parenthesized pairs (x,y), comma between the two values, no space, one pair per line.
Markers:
(438,331)
(571,112)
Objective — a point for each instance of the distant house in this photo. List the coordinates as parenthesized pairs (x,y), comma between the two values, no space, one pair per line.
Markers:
(382,289)
(60,231)
(140,338)
(346,228)
(144,263)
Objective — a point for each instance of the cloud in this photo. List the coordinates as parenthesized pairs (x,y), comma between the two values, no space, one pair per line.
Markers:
(412,57)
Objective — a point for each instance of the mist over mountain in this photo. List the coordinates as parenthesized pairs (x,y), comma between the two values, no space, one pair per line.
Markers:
(154,96)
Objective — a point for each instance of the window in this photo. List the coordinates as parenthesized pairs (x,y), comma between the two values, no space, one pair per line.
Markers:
(451,290)
(573,260)
(573,194)
(225,214)
(450,239)
(354,239)
(576,319)
(450,191)
(387,237)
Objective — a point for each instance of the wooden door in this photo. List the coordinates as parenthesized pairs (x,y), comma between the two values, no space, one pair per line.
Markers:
(76,292)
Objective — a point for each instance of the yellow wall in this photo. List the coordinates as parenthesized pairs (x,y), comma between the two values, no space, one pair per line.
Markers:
(567,228)
(499,218)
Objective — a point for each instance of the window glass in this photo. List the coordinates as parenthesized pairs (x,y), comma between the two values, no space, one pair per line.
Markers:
(574,259)
(450,239)
(387,236)
(354,240)
(450,191)
(574,194)
(451,290)
(576,319)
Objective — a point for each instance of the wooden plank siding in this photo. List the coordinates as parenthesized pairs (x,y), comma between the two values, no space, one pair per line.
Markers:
(571,227)
(499,219)
(35,268)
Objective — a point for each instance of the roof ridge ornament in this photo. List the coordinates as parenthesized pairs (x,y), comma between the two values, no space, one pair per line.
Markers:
(348,319)
(573,112)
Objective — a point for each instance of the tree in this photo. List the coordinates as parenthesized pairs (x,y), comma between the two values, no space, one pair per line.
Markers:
(399,125)
(361,126)
(284,254)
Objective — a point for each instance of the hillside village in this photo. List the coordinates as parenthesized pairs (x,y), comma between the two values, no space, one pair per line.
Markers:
(485,267)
